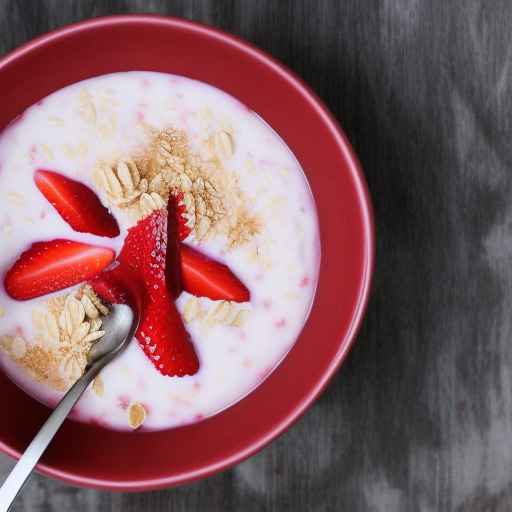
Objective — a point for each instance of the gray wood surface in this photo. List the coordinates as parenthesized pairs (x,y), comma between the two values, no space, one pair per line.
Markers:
(420,416)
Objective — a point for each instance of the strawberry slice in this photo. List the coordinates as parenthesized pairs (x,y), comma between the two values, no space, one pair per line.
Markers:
(172,266)
(110,286)
(162,335)
(120,285)
(179,210)
(76,203)
(145,251)
(205,277)
(164,339)
(53,265)
(200,275)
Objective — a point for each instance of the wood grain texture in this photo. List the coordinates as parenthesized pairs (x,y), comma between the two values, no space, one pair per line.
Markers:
(420,416)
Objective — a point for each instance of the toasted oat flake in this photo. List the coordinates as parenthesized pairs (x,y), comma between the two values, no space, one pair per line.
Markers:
(90,309)
(108,126)
(80,150)
(87,290)
(80,332)
(2,312)
(49,329)
(15,198)
(74,314)
(72,367)
(56,304)
(224,313)
(56,121)
(93,336)
(47,151)
(69,151)
(240,318)
(125,176)
(221,311)
(191,310)
(96,324)
(114,185)
(18,347)
(223,145)
(86,108)
(98,386)
(136,415)
(150,202)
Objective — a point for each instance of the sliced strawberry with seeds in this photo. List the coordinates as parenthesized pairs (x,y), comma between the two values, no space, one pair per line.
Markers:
(146,250)
(162,335)
(132,253)
(154,230)
(110,288)
(179,211)
(205,277)
(120,285)
(164,339)
(172,258)
(76,203)
(47,267)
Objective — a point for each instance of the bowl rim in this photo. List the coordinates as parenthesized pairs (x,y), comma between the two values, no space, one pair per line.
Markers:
(365,206)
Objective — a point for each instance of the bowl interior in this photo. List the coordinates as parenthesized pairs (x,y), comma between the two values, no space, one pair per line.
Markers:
(86,455)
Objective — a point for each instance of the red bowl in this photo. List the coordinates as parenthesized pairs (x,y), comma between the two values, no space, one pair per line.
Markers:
(89,456)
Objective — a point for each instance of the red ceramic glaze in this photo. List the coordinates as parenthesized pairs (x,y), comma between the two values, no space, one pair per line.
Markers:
(91,456)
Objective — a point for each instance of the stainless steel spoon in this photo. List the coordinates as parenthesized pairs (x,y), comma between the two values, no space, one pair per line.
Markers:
(120,327)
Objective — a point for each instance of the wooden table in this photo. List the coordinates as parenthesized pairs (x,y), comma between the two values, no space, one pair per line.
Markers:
(420,416)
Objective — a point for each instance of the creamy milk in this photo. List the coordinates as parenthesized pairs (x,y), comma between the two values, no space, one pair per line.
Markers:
(72,129)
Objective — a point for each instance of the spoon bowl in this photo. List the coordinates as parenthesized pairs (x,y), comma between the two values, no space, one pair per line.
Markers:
(120,327)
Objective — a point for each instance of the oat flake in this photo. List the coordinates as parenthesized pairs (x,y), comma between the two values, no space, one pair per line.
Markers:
(18,347)
(136,415)
(98,386)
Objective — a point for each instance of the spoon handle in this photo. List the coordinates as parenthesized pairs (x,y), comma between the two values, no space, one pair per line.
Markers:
(21,471)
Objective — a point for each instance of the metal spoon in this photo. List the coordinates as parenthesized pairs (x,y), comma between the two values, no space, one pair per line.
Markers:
(120,327)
